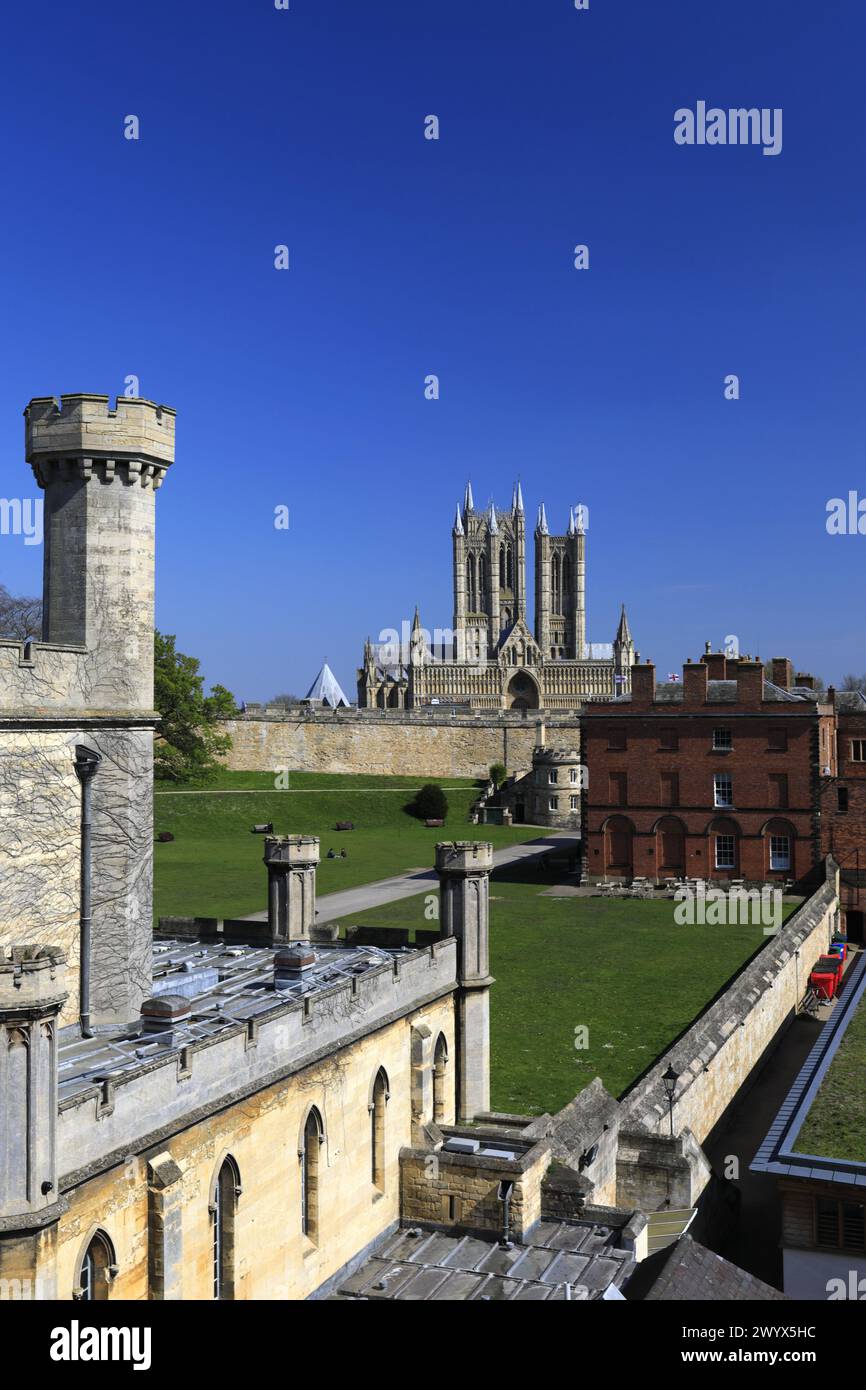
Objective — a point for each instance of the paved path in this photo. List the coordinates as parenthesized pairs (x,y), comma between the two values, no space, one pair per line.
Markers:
(350,901)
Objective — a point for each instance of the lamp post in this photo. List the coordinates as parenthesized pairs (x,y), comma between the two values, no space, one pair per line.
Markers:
(669,1081)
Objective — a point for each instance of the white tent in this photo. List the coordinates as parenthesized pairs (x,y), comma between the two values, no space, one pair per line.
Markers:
(326,690)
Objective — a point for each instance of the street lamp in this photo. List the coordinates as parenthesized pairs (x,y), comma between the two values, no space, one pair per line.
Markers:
(669,1081)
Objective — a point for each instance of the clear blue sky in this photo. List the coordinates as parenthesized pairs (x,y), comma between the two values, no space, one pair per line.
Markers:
(454,257)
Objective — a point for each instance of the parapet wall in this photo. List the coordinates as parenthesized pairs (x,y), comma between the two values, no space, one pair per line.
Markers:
(387,742)
(117,1115)
(715,1057)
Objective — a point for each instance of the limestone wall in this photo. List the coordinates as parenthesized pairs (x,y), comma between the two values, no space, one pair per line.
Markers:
(715,1057)
(273,1259)
(386,743)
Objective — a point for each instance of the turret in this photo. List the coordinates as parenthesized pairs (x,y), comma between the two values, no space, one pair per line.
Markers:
(32,993)
(100,469)
(464,873)
(291,863)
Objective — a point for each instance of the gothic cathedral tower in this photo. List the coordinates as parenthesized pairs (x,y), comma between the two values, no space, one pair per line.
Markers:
(560,589)
(489,575)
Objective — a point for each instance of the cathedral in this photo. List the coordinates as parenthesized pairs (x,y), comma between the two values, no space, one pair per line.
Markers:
(492,659)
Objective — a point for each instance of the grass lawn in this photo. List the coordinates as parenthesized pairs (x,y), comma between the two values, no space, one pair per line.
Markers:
(836,1124)
(213,867)
(623,969)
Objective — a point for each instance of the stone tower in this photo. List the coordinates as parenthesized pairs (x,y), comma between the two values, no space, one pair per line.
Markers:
(90,680)
(560,589)
(32,994)
(291,863)
(464,873)
(489,550)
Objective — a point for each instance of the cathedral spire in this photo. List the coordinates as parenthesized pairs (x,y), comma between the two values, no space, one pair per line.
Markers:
(518,499)
(458,522)
(541,524)
(623,633)
(492,523)
(468,500)
(571,527)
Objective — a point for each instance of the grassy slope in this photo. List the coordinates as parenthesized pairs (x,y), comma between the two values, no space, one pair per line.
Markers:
(626,970)
(836,1124)
(214,867)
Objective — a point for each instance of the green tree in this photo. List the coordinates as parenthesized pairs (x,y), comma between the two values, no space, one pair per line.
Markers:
(497,773)
(189,738)
(431,803)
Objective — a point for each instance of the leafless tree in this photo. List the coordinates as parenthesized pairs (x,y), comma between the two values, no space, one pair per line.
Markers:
(19,617)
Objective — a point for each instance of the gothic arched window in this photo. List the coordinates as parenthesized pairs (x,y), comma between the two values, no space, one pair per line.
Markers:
(440,1080)
(378,1102)
(309,1157)
(224,1197)
(470,583)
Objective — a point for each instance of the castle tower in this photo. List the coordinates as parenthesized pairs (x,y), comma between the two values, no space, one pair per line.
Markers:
(32,994)
(99,468)
(464,873)
(560,589)
(291,863)
(489,550)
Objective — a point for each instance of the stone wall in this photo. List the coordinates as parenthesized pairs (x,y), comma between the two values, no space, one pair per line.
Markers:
(716,1056)
(461,1190)
(386,743)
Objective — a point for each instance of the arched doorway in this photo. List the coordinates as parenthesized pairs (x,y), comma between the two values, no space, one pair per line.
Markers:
(670,847)
(522,692)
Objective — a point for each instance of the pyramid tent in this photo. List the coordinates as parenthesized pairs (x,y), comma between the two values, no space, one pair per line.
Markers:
(326,690)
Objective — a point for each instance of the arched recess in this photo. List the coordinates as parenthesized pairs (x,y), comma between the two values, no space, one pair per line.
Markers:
(670,834)
(618,846)
(522,692)
(380,1094)
(224,1193)
(778,836)
(95,1268)
(723,847)
(440,1080)
(310,1142)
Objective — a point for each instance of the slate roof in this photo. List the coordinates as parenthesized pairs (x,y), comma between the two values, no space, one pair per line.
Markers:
(725,693)
(561,1260)
(851,701)
(689,1271)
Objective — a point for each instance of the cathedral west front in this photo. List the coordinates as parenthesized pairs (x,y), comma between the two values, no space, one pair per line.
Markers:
(492,659)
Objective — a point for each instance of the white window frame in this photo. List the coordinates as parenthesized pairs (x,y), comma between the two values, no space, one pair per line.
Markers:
(725,777)
(723,740)
(553,776)
(719,863)
(553,803)
(858,756)
(573,801)
(780,859)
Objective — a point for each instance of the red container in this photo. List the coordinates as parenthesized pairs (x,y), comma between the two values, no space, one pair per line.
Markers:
(824,984)
(825,963)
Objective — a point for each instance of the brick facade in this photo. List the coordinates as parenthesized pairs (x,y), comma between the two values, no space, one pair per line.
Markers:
(717,777)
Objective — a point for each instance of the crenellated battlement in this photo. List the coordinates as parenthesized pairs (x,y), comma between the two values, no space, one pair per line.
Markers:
(31,980)
(82,434)
(464,857)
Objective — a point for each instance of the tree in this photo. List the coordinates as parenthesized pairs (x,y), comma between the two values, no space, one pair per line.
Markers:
(285,700)
(431,803)
(497,773)
(189,738)
(854,682)
(20,618)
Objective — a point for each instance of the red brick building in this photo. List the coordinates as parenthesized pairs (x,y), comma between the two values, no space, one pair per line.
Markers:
(720,776)
(843,807)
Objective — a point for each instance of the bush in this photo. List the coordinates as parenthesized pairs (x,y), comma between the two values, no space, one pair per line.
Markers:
(431,803)
(497,773)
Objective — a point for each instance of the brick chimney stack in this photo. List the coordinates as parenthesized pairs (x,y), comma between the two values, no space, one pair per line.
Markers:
(750,681)
(783,672)
(643,683)
(694,683)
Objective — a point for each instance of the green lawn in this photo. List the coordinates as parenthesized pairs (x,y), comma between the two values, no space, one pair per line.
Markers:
(624,970)
(836,1124)
(213,867)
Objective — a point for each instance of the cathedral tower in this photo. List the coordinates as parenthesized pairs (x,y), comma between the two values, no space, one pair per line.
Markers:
(489,551)
(560,588)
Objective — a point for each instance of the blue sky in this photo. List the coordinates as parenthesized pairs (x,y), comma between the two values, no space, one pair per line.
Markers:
(409,257)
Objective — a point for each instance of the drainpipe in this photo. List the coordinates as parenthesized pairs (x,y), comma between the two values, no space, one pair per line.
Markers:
(86,763)
(506,1187)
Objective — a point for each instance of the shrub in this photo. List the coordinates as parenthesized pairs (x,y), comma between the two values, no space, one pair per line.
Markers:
(431,803)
